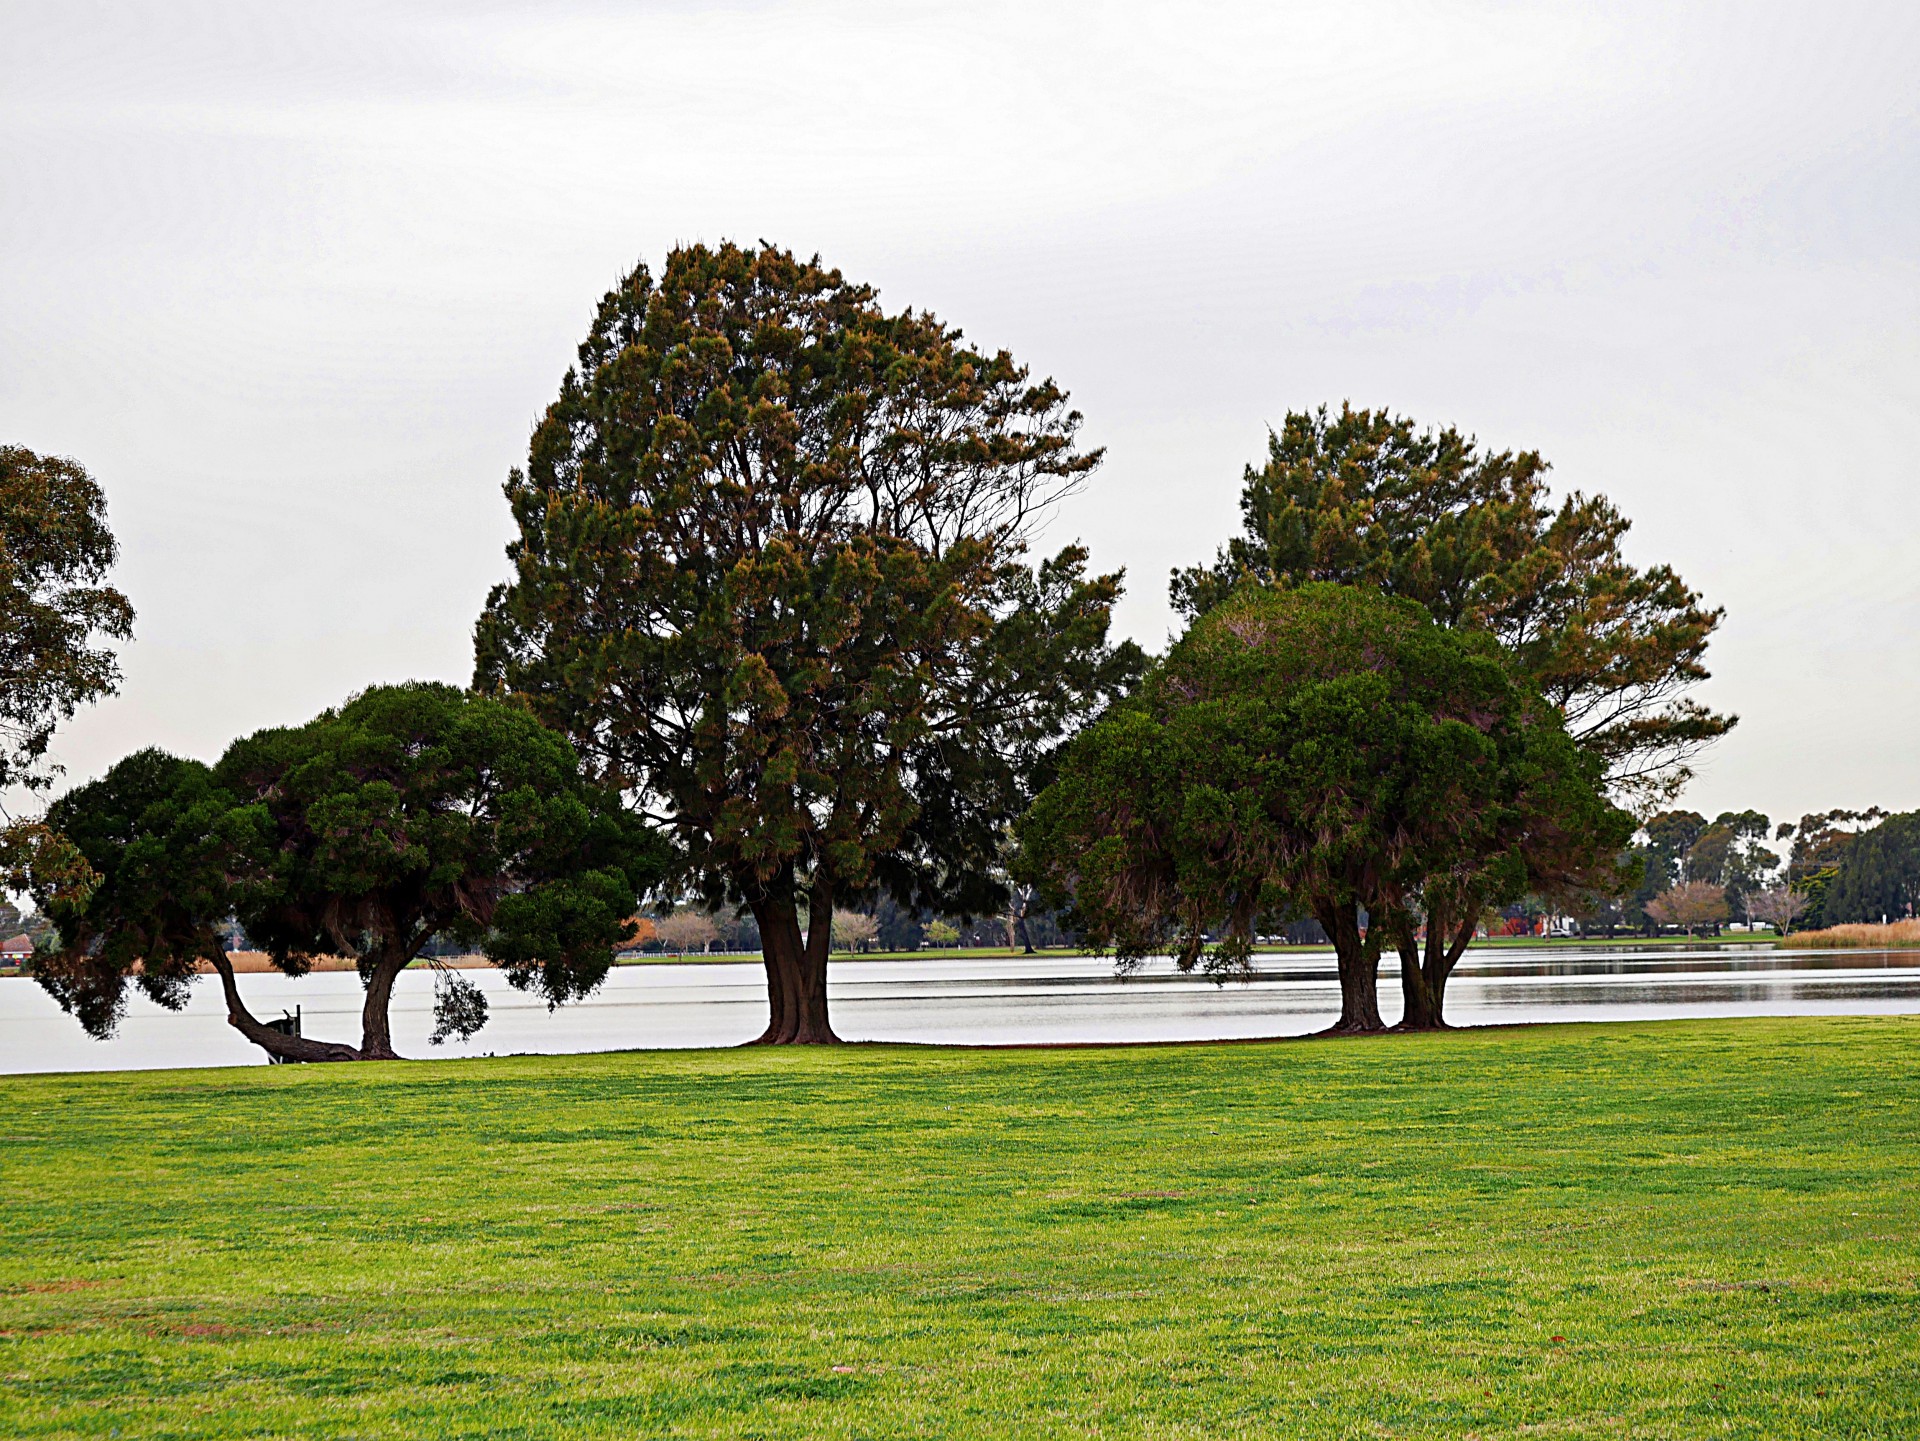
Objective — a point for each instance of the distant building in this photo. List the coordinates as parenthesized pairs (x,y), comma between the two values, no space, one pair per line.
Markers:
(13,952)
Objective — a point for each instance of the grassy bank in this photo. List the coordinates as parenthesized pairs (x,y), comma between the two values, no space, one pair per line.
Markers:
(1676,1230)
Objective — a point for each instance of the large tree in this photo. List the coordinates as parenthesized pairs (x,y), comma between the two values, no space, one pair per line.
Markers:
(1367,498)
(771,577)
(411,812)
(55,552)
(1321,749)
(56,612)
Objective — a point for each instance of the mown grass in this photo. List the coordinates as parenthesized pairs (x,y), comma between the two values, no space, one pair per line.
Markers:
(1678,1230)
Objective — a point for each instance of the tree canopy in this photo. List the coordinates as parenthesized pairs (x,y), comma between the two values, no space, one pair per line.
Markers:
(771,578)
(1366,498)
(55,552)
(412,811)
(1322,749)
(1879,875)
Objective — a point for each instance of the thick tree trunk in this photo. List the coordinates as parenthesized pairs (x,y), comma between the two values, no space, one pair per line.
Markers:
(1423,979)
(796,968)
(376,1030)
(1420,1008)
(1359,961)
(274,1043)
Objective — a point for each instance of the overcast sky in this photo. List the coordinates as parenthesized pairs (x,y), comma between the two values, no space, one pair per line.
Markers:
(294,283)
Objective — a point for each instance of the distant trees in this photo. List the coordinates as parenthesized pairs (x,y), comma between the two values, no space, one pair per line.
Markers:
(1777,906)
(1328,750)
(1879,874)
(685,930)
(854,930)
(1365,498)
(1690,905)
(410,812)
(771,578)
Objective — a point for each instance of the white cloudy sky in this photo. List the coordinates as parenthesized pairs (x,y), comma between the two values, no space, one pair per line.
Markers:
(294,281)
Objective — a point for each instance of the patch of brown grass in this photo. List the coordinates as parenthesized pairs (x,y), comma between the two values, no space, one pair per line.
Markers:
(1862,936)
(252,963)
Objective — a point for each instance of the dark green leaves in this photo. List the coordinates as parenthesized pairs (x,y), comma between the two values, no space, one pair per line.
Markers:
(55,550)
(1364,498)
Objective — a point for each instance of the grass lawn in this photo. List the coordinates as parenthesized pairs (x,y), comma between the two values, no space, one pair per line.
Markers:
(1684,1229)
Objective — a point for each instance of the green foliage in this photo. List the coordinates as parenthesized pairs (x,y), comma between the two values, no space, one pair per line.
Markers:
(1322,749)
(1879,874)
(55,552)
(1366,499)
(410,812)
(770,577)
(1674,1230)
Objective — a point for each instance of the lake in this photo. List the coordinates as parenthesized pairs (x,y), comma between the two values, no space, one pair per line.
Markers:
(1031,1000)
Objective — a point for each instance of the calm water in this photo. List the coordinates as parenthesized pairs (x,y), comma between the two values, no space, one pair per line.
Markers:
(1043,999)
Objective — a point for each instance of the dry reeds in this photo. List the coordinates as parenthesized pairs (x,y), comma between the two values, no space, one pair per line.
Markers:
(1862,936)
(246,963)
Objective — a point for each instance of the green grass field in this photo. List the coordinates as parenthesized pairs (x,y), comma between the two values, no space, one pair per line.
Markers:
(1691,1229)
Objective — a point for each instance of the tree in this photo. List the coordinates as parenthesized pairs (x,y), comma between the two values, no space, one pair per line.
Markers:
(1690,904)
(1731,853)
(640,932)
(55,552)
(1879,875)
(1777,906)
(410,812)
(1367,499)
(854,930)
(686,930)
(770,577)
(1323,749)
(1820,844)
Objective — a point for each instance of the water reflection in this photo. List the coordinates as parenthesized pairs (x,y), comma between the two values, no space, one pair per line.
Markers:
(1032,1000)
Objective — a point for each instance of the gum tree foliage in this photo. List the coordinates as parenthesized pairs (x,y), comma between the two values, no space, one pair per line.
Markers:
(412,811)
(1821,841)
(771,577)
(1364,498)
(1879,875)
(1328,750)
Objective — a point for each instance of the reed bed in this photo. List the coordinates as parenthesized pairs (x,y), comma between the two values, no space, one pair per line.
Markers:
(1863,936)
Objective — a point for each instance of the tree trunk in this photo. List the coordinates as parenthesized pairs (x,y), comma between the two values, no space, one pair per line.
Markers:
(1359,960)
(796,967)
(376,1030)
(274,1043)
(1447,941)
(1421,1005)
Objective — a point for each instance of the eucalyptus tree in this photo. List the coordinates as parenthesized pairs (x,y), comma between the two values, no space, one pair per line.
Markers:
(1366,498)
(412,811)
(1322,749)
(772,578)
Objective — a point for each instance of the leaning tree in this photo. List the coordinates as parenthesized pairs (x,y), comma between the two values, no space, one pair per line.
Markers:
(1322,749)
(771,577)
(1365,498)
(411,812)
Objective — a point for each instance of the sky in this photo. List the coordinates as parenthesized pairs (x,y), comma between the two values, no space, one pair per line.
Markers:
(295,281)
